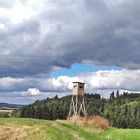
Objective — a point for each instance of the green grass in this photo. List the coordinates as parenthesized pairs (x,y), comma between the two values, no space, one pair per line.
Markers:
(63,130)
(121,134)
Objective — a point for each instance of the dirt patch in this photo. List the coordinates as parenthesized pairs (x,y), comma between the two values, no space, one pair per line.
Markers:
(6,111)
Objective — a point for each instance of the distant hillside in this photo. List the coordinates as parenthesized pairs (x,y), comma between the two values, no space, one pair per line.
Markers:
(2,105)
(122,111)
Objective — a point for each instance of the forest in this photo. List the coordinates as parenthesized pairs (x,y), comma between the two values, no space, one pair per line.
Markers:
(121,110)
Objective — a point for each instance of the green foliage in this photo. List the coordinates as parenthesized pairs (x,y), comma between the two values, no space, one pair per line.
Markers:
(16,113)
(122,111)
(4,115)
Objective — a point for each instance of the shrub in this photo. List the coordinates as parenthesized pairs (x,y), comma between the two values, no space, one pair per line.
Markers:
(90,121)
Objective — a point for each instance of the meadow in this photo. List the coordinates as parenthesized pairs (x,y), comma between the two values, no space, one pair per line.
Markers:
(34,129)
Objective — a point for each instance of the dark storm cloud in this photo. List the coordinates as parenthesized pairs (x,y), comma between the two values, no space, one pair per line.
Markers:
(72,32)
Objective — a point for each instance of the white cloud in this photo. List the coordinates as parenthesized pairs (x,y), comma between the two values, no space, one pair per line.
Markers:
(21,10)
(32,92)
(113,79)
(103,82)
(102,79)
(63,83)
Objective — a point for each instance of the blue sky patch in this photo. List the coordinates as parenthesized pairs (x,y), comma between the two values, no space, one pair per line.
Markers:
(81,68)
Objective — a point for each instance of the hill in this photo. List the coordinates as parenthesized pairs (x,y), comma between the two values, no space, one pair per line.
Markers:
(7,109)
(122,111)
(33,129)
(6,105)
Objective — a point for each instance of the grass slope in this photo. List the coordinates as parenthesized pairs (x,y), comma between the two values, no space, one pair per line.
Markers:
(33,129)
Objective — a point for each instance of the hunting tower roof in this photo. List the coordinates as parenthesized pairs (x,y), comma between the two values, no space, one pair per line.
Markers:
(79,82)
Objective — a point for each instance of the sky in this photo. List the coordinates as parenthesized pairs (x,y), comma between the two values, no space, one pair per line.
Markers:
(45,45)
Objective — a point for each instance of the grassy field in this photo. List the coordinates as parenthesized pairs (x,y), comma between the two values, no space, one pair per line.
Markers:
(33,129)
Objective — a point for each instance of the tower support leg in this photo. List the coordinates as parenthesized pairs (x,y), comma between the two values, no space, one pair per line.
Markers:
(77,106)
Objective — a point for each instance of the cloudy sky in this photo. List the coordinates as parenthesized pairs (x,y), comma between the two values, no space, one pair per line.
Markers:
(45,45)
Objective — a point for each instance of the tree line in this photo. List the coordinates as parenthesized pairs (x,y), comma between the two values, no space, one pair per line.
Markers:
(122,110)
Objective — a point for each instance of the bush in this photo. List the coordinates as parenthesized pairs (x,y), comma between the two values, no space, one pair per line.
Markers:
(90,121)
(4,115)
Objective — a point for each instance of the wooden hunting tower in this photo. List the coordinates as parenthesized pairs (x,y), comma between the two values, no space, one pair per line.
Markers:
(77,106)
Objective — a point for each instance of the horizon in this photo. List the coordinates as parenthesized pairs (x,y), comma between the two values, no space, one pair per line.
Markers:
(102,97)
